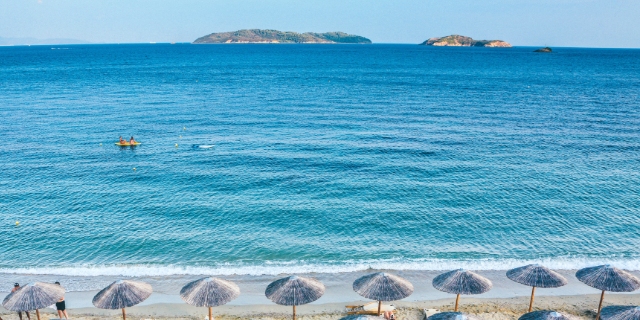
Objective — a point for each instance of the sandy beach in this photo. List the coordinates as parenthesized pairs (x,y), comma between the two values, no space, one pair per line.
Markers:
(507,299)
(579,306)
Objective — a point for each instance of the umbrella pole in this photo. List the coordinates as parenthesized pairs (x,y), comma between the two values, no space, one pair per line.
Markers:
(379,307)
(210,317)
(124,315)
(533,293)
(457,299)
(294,312)
(600,305)
(38,314)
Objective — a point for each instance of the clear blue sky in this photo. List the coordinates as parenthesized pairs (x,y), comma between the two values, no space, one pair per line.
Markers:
(585,23)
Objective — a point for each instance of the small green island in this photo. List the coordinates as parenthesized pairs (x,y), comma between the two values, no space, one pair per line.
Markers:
(455,40)
(275,36)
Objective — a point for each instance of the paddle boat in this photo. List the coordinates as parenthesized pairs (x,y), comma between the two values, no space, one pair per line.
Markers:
(127,144)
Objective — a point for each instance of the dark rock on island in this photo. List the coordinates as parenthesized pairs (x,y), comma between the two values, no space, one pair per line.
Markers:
(462,41)
(275,36)
(545,49)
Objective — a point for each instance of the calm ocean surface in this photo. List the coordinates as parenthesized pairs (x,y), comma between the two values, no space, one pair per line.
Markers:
(326,158)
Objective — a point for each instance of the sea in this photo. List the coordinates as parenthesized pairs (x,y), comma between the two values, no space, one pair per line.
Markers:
(260,159)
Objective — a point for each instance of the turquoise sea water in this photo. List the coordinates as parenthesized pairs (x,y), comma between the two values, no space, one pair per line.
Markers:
(325,158)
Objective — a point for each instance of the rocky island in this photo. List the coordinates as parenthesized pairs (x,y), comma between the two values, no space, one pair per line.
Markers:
(275,36)
(462,41)
(545,49)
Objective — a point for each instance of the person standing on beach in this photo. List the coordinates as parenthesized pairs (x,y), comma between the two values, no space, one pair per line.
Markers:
(61,307)
(16,286)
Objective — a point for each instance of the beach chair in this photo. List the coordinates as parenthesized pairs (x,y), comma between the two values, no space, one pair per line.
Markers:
(369,308)
(429,312)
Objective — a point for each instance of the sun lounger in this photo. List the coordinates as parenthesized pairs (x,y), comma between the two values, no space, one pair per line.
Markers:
(369,308)
(429,312)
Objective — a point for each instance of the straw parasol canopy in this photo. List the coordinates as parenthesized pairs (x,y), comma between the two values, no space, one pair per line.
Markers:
(122,294)
(608,278)
(620,313)
(33,296)
(544,315)
(209,292)
(452,316)
(462,282)
(535,275)
(382,286)
(294,291)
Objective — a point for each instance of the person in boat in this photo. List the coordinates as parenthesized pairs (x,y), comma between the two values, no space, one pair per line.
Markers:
(122,141)
(132,141)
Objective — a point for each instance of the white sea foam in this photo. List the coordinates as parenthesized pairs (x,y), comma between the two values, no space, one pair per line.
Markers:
(274,268)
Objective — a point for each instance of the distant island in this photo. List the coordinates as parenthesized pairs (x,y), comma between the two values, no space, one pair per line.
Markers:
(275,36)
(462,41)
(545,49)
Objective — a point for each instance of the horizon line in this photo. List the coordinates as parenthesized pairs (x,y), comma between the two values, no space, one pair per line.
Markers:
(373,43)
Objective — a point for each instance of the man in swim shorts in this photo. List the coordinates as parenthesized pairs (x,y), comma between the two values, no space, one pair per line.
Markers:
(61,307)
(16,286)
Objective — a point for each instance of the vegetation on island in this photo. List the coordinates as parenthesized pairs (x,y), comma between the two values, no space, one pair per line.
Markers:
(462,41)
(275,36)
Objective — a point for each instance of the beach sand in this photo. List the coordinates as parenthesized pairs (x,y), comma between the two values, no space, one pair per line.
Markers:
(578,306)
(506,300)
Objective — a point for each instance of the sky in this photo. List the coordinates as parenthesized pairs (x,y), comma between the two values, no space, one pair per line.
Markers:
(566,23)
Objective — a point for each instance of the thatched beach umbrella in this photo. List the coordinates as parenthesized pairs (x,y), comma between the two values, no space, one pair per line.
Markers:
(382,286)
(122,294)
(461,282)
(620,313)
(608,278)
(209,292)
(535,275)
(544,315)
(294,291)
(33,296)
(452,316)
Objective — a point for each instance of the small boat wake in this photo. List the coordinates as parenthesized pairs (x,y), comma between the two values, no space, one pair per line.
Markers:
(202,146)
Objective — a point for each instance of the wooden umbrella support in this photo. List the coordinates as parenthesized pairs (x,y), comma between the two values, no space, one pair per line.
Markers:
(124,314)
(600,305)
(379,307)
(457,300)
(210,315)
(533,293)
(294,312)
(38,314)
